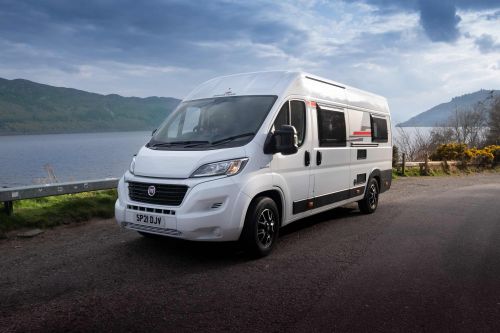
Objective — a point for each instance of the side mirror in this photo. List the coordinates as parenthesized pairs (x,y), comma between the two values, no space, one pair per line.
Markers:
(285,140)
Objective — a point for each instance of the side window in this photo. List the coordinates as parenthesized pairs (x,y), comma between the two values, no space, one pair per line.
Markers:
(298,119)
(379,129)
(283,117)
(360,126)
(293,113)
(331,128)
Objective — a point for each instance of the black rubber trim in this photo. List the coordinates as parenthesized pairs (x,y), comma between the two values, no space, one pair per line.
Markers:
(361,144)
(318,80)
(385,180)
(300,206)
(327,199)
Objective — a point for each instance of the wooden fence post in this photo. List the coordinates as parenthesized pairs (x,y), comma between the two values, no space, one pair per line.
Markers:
(9,207)
(403,165)
(426,165)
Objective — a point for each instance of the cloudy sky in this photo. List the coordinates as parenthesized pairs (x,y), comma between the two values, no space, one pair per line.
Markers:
(417,53)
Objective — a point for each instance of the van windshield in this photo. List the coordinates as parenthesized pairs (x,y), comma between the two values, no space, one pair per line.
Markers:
(213,123)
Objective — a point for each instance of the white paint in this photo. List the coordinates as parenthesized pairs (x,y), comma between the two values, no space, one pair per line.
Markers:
(286,174)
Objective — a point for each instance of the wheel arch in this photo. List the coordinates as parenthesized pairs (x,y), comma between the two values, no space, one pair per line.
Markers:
(376,174)
(275,194)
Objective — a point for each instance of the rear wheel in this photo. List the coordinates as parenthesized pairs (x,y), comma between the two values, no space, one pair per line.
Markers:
(369,203)
(261,227)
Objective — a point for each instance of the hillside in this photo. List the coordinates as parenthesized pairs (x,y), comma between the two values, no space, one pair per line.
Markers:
(31,108)
(439,114)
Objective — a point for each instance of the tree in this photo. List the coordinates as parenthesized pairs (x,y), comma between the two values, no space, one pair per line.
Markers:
(414,143)
(494,122)
(469,125)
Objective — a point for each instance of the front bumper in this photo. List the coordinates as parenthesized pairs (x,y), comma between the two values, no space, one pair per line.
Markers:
(212,210)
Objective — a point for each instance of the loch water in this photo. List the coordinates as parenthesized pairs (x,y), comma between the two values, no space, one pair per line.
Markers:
(32,159)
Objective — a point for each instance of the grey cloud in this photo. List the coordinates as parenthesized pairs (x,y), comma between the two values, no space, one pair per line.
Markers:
(487,44)
(493,17)
(439,20)
(156,31)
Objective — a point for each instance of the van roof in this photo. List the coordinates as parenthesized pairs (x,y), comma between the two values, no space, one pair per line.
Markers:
(286,83)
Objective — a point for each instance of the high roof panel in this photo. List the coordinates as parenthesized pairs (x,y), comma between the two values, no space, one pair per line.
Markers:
(284,83)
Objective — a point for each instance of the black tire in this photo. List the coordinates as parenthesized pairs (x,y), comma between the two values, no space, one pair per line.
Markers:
(369,203)
(261,228)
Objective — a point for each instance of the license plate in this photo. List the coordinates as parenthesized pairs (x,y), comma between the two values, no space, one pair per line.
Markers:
(153,220)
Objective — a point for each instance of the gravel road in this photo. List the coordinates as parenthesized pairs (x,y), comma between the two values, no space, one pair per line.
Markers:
(427,261)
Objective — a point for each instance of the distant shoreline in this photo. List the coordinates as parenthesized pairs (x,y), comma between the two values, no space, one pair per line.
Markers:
(75,132)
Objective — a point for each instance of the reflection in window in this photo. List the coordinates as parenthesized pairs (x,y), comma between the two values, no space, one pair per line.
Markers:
(293,113)
(331,128)
(379,129)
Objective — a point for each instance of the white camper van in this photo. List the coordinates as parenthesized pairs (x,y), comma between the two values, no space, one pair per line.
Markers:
(246,154)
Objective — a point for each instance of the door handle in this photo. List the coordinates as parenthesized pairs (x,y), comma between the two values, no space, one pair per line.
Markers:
(307,158)
(319,157)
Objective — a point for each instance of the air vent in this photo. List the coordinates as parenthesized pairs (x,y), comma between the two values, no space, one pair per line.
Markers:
(152,210)
(216,205)
(155,230)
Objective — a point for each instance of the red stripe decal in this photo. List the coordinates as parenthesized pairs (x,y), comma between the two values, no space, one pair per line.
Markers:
(364,133)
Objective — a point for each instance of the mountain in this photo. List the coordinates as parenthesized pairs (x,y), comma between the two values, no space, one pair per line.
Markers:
(440,114)
(32,108)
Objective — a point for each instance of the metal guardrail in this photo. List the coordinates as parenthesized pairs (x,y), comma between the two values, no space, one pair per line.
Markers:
(10,194)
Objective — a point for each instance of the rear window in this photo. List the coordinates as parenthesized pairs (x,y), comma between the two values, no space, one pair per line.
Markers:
(379,129)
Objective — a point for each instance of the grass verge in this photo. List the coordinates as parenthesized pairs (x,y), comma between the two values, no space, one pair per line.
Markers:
(415,172)
(64,209)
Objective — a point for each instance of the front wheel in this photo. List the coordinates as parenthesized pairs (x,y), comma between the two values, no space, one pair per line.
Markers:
(369,203)
(261,227)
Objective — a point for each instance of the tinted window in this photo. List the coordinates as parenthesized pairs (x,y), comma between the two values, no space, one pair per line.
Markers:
(360,126)
(298,119)
(283,117)
(379,129)
(293,113)
(331,128)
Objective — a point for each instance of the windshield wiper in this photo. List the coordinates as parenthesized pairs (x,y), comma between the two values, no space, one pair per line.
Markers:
(190,143)
(231,138)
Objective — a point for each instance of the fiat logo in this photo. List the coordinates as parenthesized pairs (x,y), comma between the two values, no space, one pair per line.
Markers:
(151,190)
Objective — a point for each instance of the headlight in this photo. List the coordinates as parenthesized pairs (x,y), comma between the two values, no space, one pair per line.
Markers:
(229,168)
(131,168)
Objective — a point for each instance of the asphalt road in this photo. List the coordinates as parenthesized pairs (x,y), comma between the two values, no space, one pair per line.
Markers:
(427,261)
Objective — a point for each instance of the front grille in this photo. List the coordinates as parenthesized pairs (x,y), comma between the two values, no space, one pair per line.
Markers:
(152,210)
(170,195)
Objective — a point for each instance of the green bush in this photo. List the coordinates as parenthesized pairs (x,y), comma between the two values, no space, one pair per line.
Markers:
(495,151)
(460,152)
(451,152)
(481,157)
